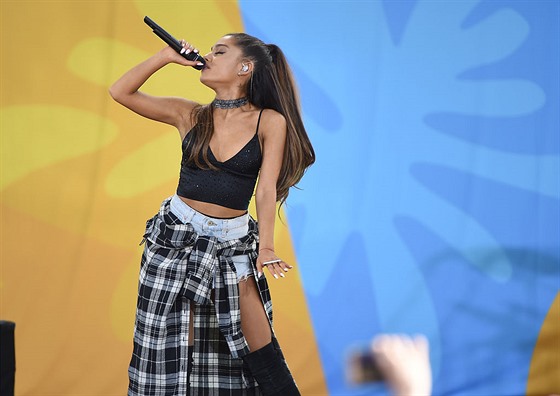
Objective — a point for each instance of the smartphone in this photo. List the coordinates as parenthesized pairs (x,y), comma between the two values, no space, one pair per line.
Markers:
(361,367)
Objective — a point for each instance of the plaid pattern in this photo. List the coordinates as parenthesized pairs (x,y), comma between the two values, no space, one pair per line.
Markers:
(179,266)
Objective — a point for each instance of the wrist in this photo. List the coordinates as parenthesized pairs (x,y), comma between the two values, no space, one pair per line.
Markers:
(164,56)
(266,248)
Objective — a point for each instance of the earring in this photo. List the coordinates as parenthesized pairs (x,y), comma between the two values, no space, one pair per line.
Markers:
(245,67)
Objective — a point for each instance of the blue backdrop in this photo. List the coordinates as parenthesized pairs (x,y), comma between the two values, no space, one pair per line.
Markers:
(434,203)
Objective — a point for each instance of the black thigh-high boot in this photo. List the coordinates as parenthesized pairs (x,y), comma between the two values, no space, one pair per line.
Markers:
(268,367)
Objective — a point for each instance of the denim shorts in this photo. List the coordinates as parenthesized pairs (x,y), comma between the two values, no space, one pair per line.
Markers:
(222,229)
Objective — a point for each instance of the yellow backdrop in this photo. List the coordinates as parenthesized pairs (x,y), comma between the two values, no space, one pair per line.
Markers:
(79,177)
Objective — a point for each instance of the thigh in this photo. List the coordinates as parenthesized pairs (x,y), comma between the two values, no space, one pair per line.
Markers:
(254,322)
(190,341)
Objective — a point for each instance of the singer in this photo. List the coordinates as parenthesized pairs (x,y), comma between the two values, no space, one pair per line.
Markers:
(204,313)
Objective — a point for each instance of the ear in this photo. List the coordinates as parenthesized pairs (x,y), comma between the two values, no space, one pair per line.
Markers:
(246,68)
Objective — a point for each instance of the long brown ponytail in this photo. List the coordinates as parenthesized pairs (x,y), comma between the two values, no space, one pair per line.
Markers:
(271,87)
(298,151)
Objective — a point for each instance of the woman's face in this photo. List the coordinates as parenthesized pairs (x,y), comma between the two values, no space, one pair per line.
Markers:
(223,64)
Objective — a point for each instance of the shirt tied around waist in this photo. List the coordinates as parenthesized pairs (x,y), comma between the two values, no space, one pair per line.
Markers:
(182,261)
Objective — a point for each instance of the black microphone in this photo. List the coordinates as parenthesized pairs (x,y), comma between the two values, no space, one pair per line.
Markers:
(173,43)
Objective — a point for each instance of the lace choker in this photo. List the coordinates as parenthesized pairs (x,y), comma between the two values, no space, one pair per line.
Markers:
(229,103)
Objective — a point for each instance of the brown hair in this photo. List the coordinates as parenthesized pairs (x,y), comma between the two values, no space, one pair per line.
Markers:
(271,87)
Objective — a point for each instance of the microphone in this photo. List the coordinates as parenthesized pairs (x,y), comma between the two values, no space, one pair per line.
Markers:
(173,43)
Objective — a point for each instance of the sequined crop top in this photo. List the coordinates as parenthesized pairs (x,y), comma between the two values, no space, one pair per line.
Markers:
(231,185)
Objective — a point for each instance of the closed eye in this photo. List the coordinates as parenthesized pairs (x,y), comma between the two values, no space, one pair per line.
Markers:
(218,53)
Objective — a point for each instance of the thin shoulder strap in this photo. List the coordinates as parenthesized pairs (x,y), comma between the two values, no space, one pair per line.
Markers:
(259,122)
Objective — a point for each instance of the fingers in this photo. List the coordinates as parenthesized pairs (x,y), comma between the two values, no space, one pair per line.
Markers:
(284,266)
(259,269)
(421,342)
(275,267)
(187,48)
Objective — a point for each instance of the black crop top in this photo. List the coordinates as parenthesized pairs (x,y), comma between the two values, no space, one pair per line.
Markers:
(232,185)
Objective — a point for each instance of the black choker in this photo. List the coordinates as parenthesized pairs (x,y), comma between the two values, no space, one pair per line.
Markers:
(229,103)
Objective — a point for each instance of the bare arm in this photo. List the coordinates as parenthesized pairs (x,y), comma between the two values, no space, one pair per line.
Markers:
(273,129)
(169,110)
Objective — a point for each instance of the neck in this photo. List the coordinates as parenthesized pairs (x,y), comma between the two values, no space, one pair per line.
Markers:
(229,92)
(229,103)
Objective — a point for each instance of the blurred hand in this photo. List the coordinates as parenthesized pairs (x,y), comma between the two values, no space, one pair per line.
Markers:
(404,363)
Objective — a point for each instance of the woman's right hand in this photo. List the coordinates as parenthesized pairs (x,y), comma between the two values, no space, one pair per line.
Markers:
(174,57)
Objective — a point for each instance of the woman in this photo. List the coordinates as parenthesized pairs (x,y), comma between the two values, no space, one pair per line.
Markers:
(204,316)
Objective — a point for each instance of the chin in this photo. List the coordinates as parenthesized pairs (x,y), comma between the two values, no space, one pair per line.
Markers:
(205,81)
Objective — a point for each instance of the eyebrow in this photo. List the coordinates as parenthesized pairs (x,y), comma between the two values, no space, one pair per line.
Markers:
(219,45)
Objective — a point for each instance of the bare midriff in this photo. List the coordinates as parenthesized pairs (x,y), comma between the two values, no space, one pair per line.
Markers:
(213,210)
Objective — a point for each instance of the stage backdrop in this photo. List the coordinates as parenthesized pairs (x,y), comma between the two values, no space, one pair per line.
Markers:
(433,206)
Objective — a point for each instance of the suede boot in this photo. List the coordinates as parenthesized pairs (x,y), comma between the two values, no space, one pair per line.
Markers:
(271,372)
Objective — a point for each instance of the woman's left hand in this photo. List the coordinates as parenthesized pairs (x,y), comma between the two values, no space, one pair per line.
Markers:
(277,267)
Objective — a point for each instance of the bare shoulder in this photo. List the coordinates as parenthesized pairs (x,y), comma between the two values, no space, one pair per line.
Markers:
(187,103)
(185,110)
(185,107)
(272,122)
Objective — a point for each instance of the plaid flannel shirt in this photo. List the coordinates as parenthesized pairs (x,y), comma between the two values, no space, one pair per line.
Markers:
(178,266)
